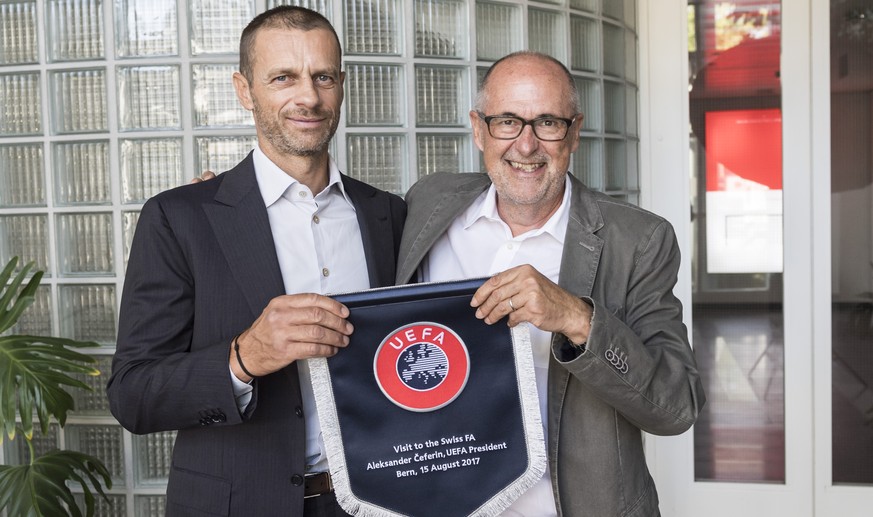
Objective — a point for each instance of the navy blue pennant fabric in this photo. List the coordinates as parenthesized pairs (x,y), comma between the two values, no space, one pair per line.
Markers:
(429,411)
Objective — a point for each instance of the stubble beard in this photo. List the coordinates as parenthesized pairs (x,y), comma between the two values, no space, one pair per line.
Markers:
(308,143)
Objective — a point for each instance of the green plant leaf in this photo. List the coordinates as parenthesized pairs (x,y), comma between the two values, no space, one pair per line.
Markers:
(41,488)
(34,370)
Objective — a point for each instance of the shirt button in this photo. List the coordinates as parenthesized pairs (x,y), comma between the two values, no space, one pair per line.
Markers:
(509,246)
(296,480)
(298,411)
(302,193)
(315,219)
(325,272)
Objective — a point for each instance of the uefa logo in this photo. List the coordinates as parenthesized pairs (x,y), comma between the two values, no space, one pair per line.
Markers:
(422,366)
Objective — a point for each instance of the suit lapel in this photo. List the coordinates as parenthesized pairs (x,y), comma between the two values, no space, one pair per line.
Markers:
(239,221)
(422,230)
(375,222)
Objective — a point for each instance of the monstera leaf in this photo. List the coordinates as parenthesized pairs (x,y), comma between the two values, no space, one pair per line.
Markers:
(35,373)
(40,488)
(34,369)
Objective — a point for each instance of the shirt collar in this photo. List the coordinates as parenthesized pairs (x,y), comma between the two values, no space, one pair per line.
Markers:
(556,226)
(273,181)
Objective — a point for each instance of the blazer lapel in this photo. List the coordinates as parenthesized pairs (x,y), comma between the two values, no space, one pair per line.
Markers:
(423,229)
(582,248)
(374,220)
(239,220)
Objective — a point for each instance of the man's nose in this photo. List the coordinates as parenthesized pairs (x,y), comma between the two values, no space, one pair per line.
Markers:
(527,142)
(307,93)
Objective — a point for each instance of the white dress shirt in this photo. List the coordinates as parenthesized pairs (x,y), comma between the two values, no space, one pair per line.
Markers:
(480,244)
(320,250)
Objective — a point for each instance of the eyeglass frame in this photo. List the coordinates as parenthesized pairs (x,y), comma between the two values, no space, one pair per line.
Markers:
(524,122)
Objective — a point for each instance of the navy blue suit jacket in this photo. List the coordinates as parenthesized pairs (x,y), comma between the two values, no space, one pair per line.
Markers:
(202,267)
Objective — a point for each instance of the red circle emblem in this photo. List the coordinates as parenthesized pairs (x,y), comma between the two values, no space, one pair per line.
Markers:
(422,366)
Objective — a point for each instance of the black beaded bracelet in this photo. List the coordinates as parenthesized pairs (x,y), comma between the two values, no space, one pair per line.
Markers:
(239,359)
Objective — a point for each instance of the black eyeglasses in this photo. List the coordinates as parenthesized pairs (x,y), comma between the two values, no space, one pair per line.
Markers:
(507,127)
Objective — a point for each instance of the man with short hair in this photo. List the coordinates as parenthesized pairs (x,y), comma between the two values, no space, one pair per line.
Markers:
(251,255)
(592,275)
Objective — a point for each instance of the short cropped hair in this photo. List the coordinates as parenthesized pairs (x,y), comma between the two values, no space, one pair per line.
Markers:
(281,17)
(482,95)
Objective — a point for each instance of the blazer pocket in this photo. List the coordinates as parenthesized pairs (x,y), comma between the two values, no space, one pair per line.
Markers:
(201,493)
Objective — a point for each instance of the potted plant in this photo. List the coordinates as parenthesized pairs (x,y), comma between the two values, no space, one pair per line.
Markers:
(35,374)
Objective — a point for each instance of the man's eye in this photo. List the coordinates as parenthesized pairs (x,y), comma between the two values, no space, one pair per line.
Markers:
(548,122)
(281,78)
(508,122)
(324,79)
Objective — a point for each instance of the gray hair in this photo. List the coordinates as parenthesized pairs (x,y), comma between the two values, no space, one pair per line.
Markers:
(482,94)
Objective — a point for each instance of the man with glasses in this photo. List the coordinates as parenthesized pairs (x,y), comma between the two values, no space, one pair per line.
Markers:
(592,275)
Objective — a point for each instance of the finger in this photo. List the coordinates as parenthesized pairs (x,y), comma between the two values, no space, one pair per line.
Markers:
(315,309)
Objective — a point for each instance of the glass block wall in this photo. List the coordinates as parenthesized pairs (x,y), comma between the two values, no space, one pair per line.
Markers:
(105,103)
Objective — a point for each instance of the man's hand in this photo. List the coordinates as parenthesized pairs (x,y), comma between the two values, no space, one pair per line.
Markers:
(525,294)
(292,327)
(207,175)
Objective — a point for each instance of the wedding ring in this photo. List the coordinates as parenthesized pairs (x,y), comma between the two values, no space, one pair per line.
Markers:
(511,307)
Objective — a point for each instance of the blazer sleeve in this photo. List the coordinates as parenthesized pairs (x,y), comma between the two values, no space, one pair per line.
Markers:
(162,380)
(638,358)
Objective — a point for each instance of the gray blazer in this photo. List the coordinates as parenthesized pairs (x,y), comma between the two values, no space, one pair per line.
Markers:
(202,268)
(638,371)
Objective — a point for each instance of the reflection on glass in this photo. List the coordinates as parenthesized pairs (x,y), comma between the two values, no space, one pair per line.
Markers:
(215,101)
(18,33)
(736,165)
(146,28)
(851,50)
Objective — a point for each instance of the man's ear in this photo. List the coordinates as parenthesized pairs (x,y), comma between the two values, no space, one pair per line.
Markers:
(477,129)
(243,91)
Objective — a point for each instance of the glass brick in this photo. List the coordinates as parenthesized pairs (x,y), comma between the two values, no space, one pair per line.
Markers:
(614,9)
(216,25)
(630,14)
(81,172)
(613,102)
(440,95)
(585,41)
(150,505)
(36,320)
(320,6)
(441,28)
(588,163)
(23,180)
(150,166)
(547,34)
(101,441)
(613,50)
(632,127)
(441,153)
(630,56)
(148,97)
(632,175)
(94,402)
(586,5)
(87,312)
(75,29)
(20,111)
(498,30)
(25,236)
(215,101)
(222,153)
(116,506)
(85,244)
(591,102)
(16,452)
(374,95)
(18,33)
(146,28)
(372,26)
(79,101)
(616,165)
(378,160)
(128,227)
(153,457)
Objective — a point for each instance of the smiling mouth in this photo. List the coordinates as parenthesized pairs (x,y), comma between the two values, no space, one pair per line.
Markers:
(526,167)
